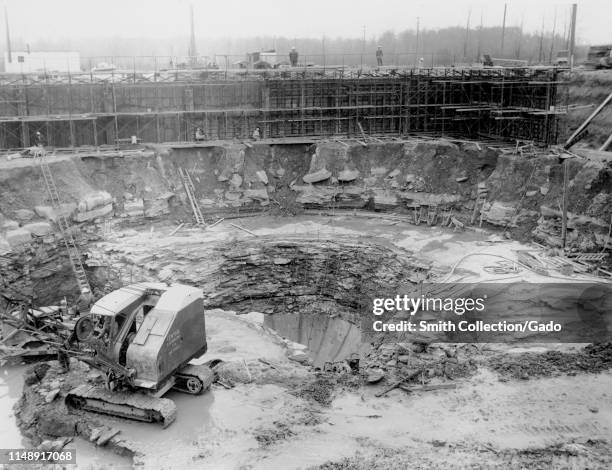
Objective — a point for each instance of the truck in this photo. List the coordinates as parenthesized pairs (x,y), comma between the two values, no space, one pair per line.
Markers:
(600,57)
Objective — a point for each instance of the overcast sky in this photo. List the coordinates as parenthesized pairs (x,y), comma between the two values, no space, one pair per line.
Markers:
(32,20)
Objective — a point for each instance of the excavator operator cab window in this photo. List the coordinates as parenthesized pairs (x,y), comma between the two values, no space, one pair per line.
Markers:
(102,327)
(119,320)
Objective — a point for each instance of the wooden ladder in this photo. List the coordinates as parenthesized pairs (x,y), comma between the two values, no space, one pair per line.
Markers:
(189,189)
(65,228)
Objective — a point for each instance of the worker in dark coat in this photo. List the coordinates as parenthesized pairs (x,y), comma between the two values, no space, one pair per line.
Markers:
(293,57)
(84,302)
(39,140)
(379,55)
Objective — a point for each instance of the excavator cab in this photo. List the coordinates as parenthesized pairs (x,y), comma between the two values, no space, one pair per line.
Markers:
(151,329)
(115,318)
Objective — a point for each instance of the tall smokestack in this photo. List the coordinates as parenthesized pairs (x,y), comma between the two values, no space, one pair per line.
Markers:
(192,52)
(8,36)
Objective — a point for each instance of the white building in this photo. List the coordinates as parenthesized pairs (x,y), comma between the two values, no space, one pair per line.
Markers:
(37,62)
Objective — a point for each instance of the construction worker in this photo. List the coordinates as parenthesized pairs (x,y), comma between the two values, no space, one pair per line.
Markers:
(199,134)
(63,308)
(293,57)
(257,134)
(379,56)
(84,302)
(39,141)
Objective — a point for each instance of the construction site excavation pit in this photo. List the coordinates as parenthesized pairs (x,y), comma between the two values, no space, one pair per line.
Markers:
(297,241)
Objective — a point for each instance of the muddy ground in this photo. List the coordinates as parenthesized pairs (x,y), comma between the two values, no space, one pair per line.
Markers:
(530,406)
(285,290)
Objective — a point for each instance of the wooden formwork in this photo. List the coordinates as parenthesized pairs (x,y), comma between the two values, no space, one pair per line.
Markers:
(504,104)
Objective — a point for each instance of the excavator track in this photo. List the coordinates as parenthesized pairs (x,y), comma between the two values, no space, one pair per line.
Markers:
(136,406)
(194,379)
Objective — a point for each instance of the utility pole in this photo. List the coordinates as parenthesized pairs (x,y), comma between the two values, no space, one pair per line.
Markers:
(467,35)
(363,45)
(416,52)
(518,47)
(572,35)
(501,52)
(552,41)
(541,50)
(192,52)
(323,50)
(479,39)
(8,36)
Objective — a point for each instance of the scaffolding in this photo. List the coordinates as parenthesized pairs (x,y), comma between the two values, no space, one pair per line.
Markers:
(494,103)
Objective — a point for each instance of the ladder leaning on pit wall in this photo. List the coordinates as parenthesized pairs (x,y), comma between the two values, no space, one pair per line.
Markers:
(65,228)
(189,189)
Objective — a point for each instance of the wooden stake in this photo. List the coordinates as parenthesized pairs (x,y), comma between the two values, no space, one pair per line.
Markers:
(243,229)
(177,229)
(564,216)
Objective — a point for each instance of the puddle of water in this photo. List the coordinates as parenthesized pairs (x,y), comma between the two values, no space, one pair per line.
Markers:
(88,456)
(215,425)
(193,418)
(11,384)
(328,339)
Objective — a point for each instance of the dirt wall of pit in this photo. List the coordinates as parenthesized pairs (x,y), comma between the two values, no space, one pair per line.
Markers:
(523,195)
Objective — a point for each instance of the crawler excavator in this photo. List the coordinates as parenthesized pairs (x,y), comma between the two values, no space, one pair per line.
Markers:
(142,338)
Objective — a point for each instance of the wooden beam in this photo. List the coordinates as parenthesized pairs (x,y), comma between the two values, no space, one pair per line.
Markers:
(25,135)
(564,215)
(573,138)
(606,144)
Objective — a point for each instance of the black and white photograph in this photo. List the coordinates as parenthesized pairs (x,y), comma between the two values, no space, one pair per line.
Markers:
(323,235)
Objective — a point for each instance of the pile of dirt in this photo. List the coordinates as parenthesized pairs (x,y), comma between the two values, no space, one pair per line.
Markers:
(269,436)
(592,359)
(301,417)
(319,390)
(418,362)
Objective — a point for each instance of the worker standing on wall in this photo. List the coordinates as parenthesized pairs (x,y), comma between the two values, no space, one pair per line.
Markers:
(293,57)
(39,140)
(379,55)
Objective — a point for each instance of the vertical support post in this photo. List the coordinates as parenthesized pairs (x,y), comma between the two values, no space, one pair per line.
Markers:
(50,141)
(95,132)
(25,135)
(157,129)
(70,112)
(564,215)
(72,133)
(302,97)
(115,117)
